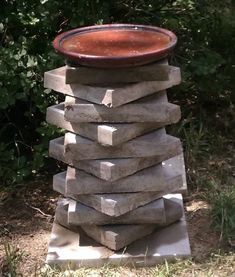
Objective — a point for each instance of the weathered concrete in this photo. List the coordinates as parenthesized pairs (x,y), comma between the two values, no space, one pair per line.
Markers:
(74,248)
(109,169)
(118,236)
(173,175)
(88,75)
(149,179)
(153,108)
(155,178)
(151,144)
(59,183)
(106,134)
(79,214)
(121,203)
(110,96)
(163,211)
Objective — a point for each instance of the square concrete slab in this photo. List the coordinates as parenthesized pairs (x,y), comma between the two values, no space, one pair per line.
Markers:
(152,108)
(149,179)
(109,169)
(116,237)
(158,71)
(152,144)
(110,96)
(152,213)
(75,249)
(104,133)
(155,178)
(121,203)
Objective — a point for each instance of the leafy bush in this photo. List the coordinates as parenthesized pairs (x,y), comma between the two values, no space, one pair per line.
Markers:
(205,53)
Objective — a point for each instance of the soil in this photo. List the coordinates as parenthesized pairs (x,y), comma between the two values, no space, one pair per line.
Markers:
(26,218)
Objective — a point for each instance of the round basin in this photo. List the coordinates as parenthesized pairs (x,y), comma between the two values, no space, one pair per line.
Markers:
(115,45)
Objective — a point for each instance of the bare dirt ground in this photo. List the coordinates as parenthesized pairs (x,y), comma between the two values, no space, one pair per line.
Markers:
(26,218)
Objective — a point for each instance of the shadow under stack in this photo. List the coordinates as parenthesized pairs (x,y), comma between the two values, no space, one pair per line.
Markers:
(122,201)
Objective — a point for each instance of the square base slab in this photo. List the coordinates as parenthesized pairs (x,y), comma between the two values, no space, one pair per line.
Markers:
(75,249)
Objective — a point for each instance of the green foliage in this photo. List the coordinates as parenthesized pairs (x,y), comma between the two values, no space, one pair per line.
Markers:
(205,52)
(223,207)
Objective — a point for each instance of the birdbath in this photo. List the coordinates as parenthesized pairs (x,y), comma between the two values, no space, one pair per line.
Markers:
(122,191)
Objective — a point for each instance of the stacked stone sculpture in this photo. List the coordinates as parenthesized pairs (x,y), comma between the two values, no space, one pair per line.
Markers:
(121,192)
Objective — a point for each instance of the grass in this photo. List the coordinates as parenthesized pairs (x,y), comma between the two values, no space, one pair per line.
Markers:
(210,159)
(223,214)
(10,261)
(219,264)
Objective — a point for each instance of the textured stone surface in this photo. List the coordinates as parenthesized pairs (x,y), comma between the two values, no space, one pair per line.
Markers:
(153,108)
(109,169)
(151,144)
(118,236)
(87,75)
(121,203)
(110,96)
(104,133)
(79,214)
(74,248)
(173,175)
(155,178)
(80,182)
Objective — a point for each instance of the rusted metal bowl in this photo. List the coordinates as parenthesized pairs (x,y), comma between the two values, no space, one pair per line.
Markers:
(115,45)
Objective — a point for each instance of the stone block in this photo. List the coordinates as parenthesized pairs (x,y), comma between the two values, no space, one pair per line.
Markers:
(106,134)
(151,144)
(155,178)
(79,214)
(153,108)
(75,249)
(112,95)
(87,75)
(121,203)
(59,183)
(173,175)
(80,182)
(118,236)
(109,169)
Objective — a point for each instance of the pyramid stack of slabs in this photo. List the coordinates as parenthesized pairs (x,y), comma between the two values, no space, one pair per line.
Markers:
(122,201)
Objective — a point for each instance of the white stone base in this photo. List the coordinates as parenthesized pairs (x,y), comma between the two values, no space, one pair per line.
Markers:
(75,249)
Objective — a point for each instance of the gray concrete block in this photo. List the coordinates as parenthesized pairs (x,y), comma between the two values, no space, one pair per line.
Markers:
(80,214)
(173,176)
(163,211)
(106,134)
(110,96)
(118,236)
(153,108)
(87,75)
(121,203)
(149,179)
(155,178)
(59,184)
(75,249)
(109,169)
(151,144)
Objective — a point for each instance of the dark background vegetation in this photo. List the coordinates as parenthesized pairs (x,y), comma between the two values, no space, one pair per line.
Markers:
(205,53)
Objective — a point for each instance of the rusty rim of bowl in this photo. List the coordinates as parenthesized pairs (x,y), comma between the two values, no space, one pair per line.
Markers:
(114,61)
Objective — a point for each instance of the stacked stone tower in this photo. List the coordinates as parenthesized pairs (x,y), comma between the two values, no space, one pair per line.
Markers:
(121,191)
